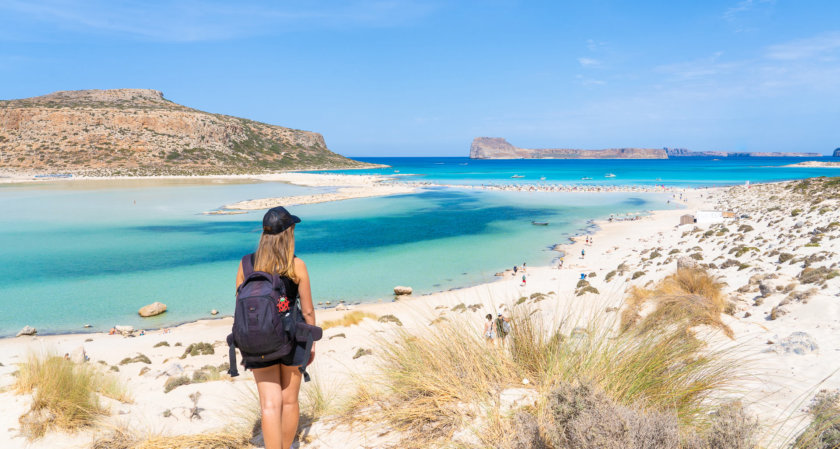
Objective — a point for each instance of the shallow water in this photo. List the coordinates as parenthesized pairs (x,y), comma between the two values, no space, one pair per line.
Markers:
(82,253)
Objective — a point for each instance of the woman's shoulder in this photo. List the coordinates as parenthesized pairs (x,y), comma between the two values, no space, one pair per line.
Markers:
(299,263)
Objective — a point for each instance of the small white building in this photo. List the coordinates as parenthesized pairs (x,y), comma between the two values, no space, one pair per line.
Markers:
(708,216)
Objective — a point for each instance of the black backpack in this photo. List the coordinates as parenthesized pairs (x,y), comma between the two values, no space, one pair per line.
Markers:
(265,327)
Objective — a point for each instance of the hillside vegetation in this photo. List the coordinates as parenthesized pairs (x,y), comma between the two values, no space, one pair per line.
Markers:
(139,132)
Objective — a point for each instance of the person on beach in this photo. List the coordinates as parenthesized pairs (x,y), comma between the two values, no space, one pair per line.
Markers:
(523,280)
(523,266)
(514,269)
(489,331)
(278,382)
(502,328)
(582,253)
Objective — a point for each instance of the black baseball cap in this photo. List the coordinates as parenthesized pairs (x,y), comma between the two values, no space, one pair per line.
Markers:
(277,220)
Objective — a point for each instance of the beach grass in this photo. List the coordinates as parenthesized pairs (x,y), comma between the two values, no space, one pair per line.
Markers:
(64,394)
(349,319)
(690,297)
(430,385)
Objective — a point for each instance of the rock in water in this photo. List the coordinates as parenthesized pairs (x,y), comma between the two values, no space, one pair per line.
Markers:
(400,290)
(27,331)
(155,308)
(799,343)
(214,312)
(686,262)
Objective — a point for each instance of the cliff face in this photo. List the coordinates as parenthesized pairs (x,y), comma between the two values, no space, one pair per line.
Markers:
(499,148)
(138,131)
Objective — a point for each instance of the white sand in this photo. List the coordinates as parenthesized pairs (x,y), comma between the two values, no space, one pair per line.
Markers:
(776,385)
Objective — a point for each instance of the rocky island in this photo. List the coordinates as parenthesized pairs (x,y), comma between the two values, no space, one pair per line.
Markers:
(139,132)
(499,148)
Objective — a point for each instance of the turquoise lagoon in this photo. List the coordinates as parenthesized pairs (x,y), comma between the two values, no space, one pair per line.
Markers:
(80,252)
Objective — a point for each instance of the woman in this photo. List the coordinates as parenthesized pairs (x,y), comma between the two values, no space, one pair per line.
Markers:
(278,382)
(488,329)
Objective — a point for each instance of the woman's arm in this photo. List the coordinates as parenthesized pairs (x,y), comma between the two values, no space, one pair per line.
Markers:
(305,292)
(240,276)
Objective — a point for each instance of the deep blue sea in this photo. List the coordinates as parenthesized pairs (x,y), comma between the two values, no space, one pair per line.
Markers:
(93,252)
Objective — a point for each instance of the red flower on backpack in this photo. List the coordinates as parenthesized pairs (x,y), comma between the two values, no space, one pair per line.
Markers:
(282,304)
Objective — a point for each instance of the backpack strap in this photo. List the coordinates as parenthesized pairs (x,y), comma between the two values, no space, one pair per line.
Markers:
(232,356)
(248,264)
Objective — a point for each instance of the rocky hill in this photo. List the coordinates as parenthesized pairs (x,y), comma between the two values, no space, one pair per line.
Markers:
(139,132)
(499,148)
(837,152)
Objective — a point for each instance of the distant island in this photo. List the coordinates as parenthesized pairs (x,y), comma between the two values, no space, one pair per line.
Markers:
(499,148)
(837,152)
(139,132)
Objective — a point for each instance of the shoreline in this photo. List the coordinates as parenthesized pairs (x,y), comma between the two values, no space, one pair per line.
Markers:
(774,387)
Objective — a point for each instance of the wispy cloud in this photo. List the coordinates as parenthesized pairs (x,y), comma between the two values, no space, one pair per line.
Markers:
(824,45)
(189,20)
(744,6)
(588,62)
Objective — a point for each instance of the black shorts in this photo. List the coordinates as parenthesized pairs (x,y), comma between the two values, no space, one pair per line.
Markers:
(294,358)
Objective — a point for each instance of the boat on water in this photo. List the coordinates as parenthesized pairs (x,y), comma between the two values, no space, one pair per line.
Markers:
(586,178)
(609,175)
(539,223)
(396,171)
(518,176)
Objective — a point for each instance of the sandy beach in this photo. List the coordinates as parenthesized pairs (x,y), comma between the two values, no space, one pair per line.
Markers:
(772,301)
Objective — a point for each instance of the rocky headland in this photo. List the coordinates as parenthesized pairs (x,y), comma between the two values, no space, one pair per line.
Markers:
(139,132)
(499,148)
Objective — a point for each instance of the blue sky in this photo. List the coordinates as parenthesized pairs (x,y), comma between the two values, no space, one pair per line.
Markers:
(417,77)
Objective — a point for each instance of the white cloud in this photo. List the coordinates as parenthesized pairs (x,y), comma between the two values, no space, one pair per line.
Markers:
(588,62)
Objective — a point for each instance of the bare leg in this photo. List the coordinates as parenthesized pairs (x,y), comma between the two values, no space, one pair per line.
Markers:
(271,404)
(290,381)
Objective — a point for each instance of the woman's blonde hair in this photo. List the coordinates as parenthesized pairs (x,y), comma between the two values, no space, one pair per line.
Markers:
(276,254)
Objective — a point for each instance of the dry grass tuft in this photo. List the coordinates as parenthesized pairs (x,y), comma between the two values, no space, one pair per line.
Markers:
(687,298)
(432,384)
(64,394)
(349,319)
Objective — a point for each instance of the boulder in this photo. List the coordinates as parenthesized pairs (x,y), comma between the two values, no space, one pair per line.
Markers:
(155,308)
(78,355)
(800,343)
(687,262)
(400,290)
(124,330)
(27,330)
(174,369)
(513,398)
(765,289)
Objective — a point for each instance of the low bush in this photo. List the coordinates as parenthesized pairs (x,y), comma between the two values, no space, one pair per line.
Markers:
(175,382)
(390,319)
(824,430)
(196,349)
